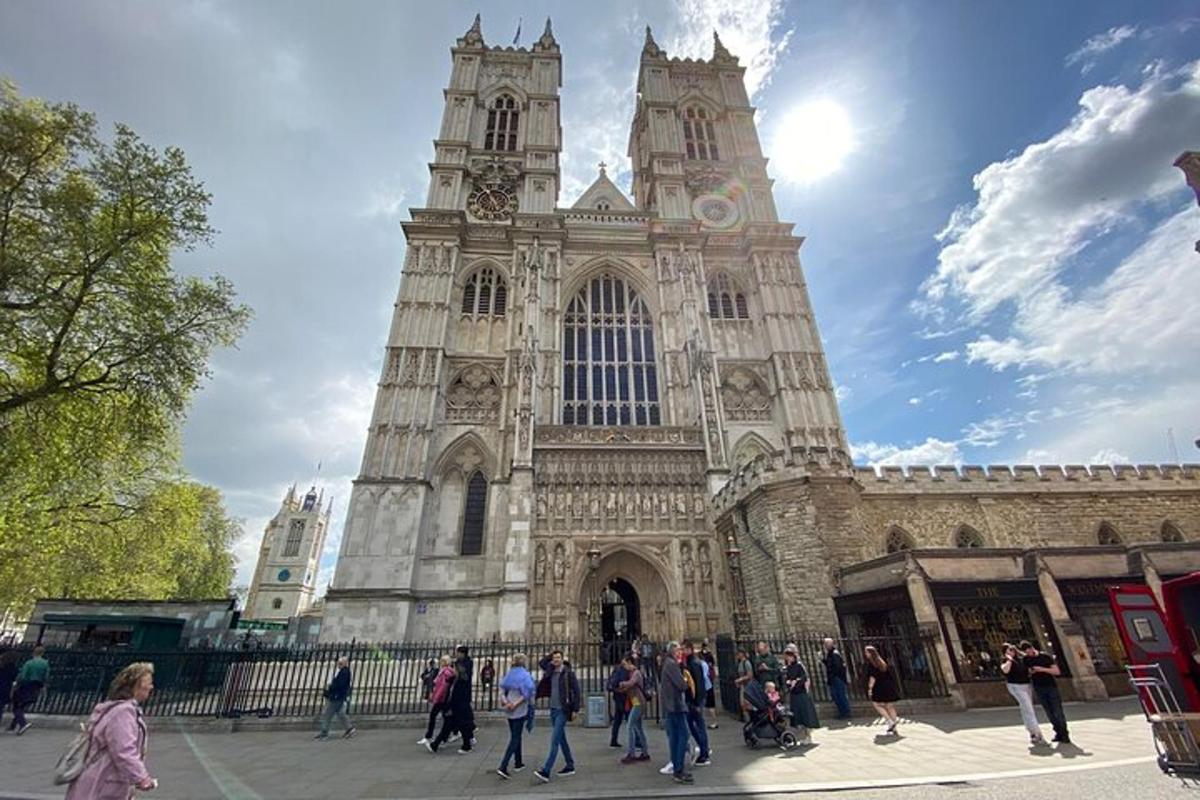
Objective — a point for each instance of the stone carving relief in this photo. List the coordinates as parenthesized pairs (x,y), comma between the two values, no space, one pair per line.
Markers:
(705,563)
(560,563)
(473,396)
(744,396)
(539,565)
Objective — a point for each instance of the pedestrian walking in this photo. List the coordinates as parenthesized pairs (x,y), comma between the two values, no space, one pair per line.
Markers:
(882,690)
(439,697)
(516,698)
(428,677)
(695,668)
(1016,679)
(1043,670)
(30,681)
(837,677)
(458,718)
(336,696)
(560,685)
(487,677)
(9,668)
(745,673)
(616,700)
(711,683)
(804,711)
(766,666)
(116,752)
(634,691)
(674,706)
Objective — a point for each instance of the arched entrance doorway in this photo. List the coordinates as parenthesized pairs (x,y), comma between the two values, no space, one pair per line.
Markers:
(620,612)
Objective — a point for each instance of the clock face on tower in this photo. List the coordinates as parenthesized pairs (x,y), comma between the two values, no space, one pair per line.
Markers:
(492,203)
(284,575)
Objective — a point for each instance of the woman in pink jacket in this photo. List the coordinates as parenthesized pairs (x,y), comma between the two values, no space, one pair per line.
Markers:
(439,697)
(117,756)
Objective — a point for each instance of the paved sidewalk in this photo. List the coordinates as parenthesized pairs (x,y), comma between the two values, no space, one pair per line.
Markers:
(386,763)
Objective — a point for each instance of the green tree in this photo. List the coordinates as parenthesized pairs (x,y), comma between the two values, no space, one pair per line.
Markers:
(101,347)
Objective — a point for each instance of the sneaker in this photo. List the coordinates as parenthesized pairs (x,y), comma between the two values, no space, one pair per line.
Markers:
(541,776)
(424,740)
(473,741)
(454,737)
(350,733)
(462,751)
(713,726)
(628,760)
(669,769)
(321,736)
(683,777)
(615,744)
(23,728)
(503,773)
(1063,740)
(644,757)
(702,762)
(431,747)
(568,770)
(518,767)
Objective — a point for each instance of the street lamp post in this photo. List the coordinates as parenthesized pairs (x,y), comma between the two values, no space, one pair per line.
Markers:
(593,612)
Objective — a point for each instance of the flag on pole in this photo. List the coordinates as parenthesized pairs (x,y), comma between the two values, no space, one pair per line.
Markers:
(517,38)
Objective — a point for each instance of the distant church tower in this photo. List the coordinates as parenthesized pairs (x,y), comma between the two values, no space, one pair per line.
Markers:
(564,389)
(285,580)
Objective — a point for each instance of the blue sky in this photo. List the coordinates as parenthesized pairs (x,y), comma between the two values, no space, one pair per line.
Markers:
(1001,267)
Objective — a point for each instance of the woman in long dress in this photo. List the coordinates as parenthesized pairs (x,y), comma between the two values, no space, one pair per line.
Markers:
(882,689)
(804,711)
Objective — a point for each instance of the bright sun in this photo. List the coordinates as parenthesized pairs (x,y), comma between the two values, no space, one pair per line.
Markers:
(812,141)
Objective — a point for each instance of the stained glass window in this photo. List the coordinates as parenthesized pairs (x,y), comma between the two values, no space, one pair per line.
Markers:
(474,515)
(610,376)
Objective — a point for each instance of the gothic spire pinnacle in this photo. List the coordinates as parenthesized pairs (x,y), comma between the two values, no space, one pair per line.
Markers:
(546,42)
(720,53)
(651,48)
(474,35)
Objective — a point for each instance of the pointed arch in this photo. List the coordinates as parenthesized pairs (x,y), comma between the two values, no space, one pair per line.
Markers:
(464,454)
(1107,534)
(750,447)
(1170,532)
(967,537)
(500,133)
(897,540)
(485,291)
(726,300)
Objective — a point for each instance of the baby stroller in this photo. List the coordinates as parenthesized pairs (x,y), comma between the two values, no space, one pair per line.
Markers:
(761,726)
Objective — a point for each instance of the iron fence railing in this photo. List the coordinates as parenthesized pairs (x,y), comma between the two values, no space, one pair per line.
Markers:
(289,681)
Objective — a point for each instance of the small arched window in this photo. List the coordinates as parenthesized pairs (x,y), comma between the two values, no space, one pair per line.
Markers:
(277,603)
(967,537)
(501,133)
(699,136)
(485,294)
(725,299)
(604,204)
(1170,532)
(1107,534)
(474,515)
(898,541)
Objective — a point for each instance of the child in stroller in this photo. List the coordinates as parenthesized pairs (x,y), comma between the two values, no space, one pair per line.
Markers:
(768,719)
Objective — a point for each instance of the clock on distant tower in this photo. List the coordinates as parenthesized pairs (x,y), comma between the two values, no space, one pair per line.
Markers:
(284,575)
(492,203)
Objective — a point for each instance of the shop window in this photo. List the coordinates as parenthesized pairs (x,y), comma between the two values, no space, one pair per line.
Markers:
(898,540)
(1170,532)
(1107,534)
(967,537)
(982,632)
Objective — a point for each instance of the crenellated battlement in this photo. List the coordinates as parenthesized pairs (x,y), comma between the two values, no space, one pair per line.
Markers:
(1027,477)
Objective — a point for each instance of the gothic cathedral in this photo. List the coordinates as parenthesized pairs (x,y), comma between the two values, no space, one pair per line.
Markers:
(565,389)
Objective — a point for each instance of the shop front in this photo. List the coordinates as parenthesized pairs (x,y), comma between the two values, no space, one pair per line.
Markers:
(883,612)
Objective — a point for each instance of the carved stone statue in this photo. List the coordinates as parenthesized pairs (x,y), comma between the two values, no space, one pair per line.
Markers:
(539,565)
(560,564)
(686,564)
(705,562)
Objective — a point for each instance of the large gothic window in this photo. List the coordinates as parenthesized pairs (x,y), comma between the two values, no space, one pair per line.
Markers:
(725,299)
(501,133)
(898,540)
(295,533)
(609,372)
(699,137)
(485,294)
(474,515)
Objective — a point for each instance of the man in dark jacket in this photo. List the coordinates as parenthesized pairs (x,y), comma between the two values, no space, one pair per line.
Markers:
(837,677)
(673,697)
(562,687)
(619,675)
(335,701)
(459,718)
(695,716)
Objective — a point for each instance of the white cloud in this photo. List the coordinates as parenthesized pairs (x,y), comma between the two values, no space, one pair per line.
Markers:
(930,452)
(949,355)
(749,29)
(914,401)
(842,392)
(1109,456)
(1038,212)
(1099,44)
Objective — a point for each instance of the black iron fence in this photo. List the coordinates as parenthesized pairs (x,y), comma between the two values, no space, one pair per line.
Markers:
(912,658)
(289,681)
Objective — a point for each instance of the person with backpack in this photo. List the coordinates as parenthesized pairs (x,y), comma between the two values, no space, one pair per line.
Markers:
(633,690)
(30,680)
(560,685)
(694,672)
(459,717)
(711,683)
(674,709)
(336,696)
(108,760)
(617,701)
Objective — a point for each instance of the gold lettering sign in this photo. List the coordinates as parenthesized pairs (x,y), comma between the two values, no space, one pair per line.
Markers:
(987,591)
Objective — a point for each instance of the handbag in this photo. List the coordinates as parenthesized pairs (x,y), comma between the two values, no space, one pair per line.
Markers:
(78,755)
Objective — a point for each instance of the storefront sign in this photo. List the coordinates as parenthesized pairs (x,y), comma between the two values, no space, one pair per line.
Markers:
(985,591)
(880,600)
(1091,589)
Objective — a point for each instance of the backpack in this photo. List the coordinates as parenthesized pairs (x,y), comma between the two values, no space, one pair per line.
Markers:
(689,684)
(78,755)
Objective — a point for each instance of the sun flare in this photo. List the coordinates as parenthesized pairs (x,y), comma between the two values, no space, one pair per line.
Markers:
(812,141)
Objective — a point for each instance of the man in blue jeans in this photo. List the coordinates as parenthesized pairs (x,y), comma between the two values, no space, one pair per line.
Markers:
(562,687)
(837,678)
(673,697)
(695,717)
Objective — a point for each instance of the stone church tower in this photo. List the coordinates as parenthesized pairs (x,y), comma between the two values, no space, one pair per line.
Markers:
(565,389)
(285,579)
